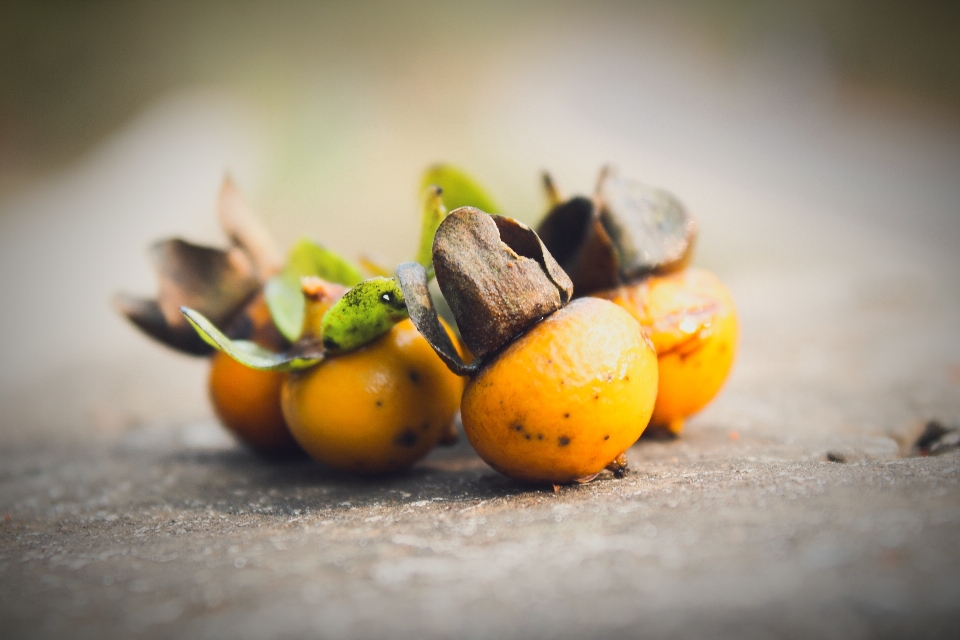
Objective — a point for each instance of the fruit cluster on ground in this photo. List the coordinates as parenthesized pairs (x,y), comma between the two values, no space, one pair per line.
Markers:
(570,340)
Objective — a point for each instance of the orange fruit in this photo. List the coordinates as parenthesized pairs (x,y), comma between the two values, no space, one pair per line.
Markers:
(377,409)
(247,401)
(566,398)
(692,322)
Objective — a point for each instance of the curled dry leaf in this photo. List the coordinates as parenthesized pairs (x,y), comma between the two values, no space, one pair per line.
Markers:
(650,228)
(627,231)
(217,282)
(497,277)
(245,230)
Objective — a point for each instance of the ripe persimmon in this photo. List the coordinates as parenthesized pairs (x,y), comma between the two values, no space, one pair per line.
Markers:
(557,391)
(632,244)
(375,409)
(564,399)
(691,320)
(247,401)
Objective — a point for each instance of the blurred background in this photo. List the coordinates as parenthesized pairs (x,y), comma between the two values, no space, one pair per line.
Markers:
(818,142)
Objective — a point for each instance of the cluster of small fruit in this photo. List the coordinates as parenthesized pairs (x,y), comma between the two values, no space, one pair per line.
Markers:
(364,376)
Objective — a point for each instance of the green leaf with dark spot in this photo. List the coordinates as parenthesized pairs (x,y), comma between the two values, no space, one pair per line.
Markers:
(251,354)
(283,294)
(459,189)
(363,314)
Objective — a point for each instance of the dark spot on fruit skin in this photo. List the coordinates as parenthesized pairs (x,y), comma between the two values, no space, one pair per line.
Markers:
(549,361)
(379,403)
(596,396)
(414,377)
(518,427)
(566,415)
(539,436)
(406,439)
(563,441)
(527,436)
(609,377)
(606,437)
(626,378)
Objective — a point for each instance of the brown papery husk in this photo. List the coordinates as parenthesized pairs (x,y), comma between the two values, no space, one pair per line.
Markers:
(218,283)
(497,277)
(573,233)
(626,232)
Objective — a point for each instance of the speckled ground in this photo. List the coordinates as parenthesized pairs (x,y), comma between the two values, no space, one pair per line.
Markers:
(711,535)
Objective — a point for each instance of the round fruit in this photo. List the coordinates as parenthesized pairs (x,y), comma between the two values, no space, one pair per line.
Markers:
(691,320)
(377,409)
(247,402)
(566,398)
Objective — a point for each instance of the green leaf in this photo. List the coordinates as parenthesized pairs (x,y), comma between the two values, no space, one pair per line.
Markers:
(363,314)
(249,353)
(459,189)
(283,294)
(433,214)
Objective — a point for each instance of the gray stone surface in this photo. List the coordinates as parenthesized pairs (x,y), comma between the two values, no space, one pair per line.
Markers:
(711,535)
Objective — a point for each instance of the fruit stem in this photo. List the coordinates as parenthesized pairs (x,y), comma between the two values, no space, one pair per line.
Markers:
(319,295)
(550,189)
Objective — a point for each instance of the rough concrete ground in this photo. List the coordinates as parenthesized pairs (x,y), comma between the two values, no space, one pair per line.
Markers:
(709,536)
(741,528)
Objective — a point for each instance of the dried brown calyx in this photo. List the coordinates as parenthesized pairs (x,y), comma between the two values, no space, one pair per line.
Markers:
(218,282)
(222,284)
(625,232)
(496,275)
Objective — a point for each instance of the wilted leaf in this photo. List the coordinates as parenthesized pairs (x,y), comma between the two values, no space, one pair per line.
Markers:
(283,293)
(459,189)
(251,354)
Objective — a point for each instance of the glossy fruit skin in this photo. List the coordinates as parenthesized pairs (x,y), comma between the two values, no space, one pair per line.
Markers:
(568,396)
(374,410)
(247,402)
(692,322)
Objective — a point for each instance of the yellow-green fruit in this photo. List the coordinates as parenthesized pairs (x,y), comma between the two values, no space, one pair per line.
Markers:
(567,397)
(374,410)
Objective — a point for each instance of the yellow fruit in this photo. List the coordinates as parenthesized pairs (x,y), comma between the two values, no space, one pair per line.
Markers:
(377,409)
(566,398)
(691,320)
